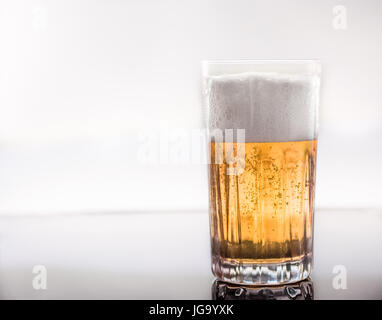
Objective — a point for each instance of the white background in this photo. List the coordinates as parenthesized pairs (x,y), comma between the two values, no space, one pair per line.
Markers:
(81,80)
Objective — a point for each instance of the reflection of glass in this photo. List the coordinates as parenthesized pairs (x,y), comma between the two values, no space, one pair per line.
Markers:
(296,291)
(261,120)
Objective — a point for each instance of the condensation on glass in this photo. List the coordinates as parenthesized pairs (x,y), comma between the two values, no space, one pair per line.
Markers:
(261,119)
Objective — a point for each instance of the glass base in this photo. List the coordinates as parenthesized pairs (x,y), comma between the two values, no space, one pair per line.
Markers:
(296,291)
(261,274)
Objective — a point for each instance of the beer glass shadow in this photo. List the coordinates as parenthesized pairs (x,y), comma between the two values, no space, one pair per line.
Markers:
(302,290)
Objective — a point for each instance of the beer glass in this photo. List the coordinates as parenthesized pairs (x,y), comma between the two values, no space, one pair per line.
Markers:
(261,119)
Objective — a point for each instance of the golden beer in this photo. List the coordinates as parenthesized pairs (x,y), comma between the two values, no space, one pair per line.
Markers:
(264,214)
(261,119)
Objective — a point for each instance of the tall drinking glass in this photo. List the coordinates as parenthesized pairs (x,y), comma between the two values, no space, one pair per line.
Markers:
(262,137)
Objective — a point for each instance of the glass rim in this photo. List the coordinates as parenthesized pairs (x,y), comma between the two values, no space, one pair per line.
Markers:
(265,61)
(225,66)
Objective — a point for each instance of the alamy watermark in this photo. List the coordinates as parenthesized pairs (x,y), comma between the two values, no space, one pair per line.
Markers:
(39,18)
(40,280)
(339,281)
(185,146)
(340,20)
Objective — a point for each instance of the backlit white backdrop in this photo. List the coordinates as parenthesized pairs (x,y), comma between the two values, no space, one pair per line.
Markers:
(81,80)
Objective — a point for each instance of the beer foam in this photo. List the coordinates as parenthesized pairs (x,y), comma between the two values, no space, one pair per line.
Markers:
(271,107)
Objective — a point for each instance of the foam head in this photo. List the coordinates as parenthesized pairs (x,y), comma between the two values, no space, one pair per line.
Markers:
(270,106)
